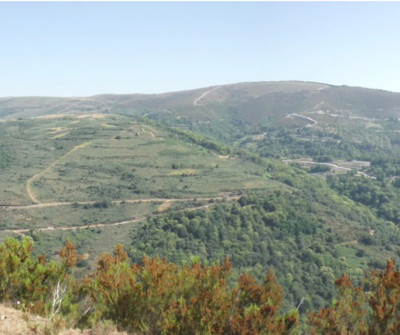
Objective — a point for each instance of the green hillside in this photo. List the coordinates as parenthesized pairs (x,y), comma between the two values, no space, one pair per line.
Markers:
(299,177)
(59,165)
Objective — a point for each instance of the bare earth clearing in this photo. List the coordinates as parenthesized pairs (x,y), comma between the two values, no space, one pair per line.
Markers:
(16,322)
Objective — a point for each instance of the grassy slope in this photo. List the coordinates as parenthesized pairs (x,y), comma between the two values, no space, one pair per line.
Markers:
(123,160)
(103,181)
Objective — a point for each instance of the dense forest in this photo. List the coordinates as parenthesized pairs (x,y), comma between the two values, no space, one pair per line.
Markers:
(279,230)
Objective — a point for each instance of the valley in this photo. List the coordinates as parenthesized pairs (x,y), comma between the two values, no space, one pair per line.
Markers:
(292,176)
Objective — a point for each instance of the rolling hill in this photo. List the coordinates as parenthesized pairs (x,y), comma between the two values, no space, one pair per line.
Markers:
(301,177)
(250,101)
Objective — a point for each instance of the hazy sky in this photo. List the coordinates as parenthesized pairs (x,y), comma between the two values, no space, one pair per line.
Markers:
(80,49)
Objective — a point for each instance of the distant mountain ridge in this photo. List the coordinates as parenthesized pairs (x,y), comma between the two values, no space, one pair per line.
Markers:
(244,102)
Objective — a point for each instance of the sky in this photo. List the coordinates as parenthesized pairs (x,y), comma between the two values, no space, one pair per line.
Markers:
(88,48)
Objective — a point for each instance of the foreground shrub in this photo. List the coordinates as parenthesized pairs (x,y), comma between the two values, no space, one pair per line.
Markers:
(32,281)
(24,278)
(373,310)
(160,297)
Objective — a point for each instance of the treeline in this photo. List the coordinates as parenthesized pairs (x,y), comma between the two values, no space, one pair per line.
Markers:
(220,130)
(158,297)
(201,140)
(209,143)
(353,141)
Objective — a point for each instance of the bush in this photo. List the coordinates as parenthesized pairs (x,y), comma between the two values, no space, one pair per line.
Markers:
(161,297)
(29,280)
(102,204)
(360,312)
(158,297)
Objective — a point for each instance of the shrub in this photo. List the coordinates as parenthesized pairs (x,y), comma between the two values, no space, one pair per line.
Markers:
(161,297)
(30,280)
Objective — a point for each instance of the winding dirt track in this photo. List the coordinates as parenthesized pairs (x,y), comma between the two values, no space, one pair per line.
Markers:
(29,189)
(38,204)
(312,124)
(120,223)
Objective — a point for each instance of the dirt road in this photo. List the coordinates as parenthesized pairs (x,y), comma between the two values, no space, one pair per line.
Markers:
(312,124)
(119,223)
(91,202)
(196,101)
(29,189)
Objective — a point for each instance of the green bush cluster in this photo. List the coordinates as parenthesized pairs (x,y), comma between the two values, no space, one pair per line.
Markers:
(31,281)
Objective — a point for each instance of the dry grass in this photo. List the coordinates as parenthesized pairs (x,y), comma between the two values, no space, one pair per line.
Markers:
(181,172)
(92,116)
(60,135)
(164,206)
(16,322)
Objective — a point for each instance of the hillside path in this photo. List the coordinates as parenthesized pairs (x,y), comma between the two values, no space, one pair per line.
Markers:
(29,189)
(91,202)
(317,105)
(196,101)
(313,122)
(119,223)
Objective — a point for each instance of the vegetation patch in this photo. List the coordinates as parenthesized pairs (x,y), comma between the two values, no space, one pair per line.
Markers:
(183,172)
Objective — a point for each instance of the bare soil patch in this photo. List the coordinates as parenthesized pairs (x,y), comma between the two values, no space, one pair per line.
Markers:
(17,322)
